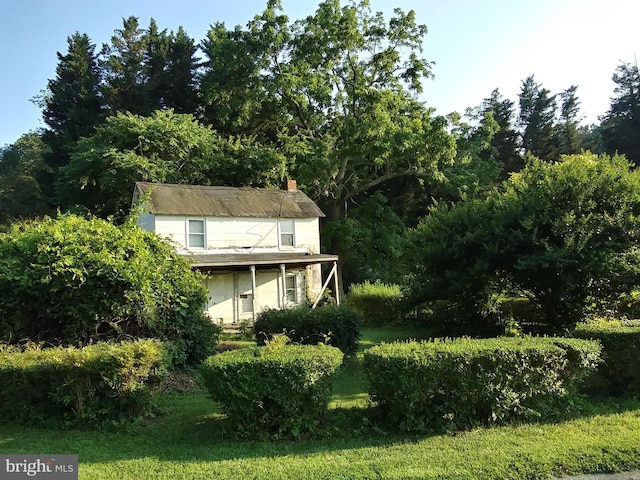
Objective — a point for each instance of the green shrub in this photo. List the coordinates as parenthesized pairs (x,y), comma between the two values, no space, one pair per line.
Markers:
(378,303)
(338,326)
(564,232)
(73,281)
(274,391)
(619,373)
(461,383)
(97,385)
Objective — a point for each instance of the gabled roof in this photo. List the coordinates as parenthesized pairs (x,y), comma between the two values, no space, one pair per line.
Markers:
(198,200)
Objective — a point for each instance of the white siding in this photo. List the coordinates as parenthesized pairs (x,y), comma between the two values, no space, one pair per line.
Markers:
(230,299)
(308,234)
(241,234)
(173,228)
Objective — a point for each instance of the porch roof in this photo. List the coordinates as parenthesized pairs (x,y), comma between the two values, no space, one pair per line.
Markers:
(220,261)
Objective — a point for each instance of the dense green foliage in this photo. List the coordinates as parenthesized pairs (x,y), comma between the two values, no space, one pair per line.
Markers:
(462,383)
(332,99)
(100,385)
(22,168)
(127,148)
(563,234)
(619,373)
(378,303)
(75,281)
(338,326)
(277,391)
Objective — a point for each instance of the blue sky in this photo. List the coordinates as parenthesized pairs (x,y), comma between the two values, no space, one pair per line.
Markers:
(476,45)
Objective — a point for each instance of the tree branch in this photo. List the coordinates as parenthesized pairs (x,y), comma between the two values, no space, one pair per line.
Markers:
(377,181)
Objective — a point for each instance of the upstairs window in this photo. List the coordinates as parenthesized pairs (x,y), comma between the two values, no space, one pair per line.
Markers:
(287,233)
(196,233)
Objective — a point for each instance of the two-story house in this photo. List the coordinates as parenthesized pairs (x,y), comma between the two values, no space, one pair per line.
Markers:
(258,248)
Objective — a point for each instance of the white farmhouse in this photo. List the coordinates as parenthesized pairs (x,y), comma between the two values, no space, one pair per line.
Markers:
(259,248)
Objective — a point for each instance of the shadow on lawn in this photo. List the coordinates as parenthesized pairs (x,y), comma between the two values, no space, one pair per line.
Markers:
(197,435)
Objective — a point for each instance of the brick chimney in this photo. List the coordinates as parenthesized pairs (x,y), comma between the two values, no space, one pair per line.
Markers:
(291,185)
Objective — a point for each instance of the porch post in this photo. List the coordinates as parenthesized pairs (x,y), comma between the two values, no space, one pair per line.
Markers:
(335,282)
(252,268)
(283,280)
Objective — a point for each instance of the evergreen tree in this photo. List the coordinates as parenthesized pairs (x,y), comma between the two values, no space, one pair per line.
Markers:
(505,141)
(570,136)
(124,71)
(72,106)
(181,75)
(620,127)
(537,119)
(155,60)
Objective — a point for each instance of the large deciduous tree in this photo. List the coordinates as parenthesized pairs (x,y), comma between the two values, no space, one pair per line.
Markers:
(165,147)
(336,92)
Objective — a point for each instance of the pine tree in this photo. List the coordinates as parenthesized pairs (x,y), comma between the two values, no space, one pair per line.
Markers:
(506,140)
(537,119)
(620,127)
(72,105)
(181,75)
(570,136)
(122,63)
(155,61)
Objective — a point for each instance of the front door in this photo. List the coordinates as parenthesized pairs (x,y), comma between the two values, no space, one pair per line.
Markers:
(244,296)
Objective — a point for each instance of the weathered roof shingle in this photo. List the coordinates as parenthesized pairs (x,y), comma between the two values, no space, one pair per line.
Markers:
(198,200)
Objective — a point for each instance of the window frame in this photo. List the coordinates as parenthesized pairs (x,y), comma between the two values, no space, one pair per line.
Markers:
(285,231)
(189,233)
(294,289)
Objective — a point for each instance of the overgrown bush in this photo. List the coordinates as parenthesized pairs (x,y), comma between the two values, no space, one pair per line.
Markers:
(378,303)
(278,391)
(73,281)
(99,385)
(338,326)
(619,373)
(564,233)
(458,384)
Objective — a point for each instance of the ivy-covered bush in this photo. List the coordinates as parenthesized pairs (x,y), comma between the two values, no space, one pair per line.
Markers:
(278,391)
(458,384)
(620,372)
(98,385)
(378,303)
(73,281)
(338,326)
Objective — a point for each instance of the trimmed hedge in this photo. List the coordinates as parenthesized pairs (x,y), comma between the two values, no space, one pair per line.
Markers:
(378,303)
(458,384)
(98,385)
(338,326)
(280,392)
(619,374)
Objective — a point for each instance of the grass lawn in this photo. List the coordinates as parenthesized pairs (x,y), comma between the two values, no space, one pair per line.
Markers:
(190,442)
